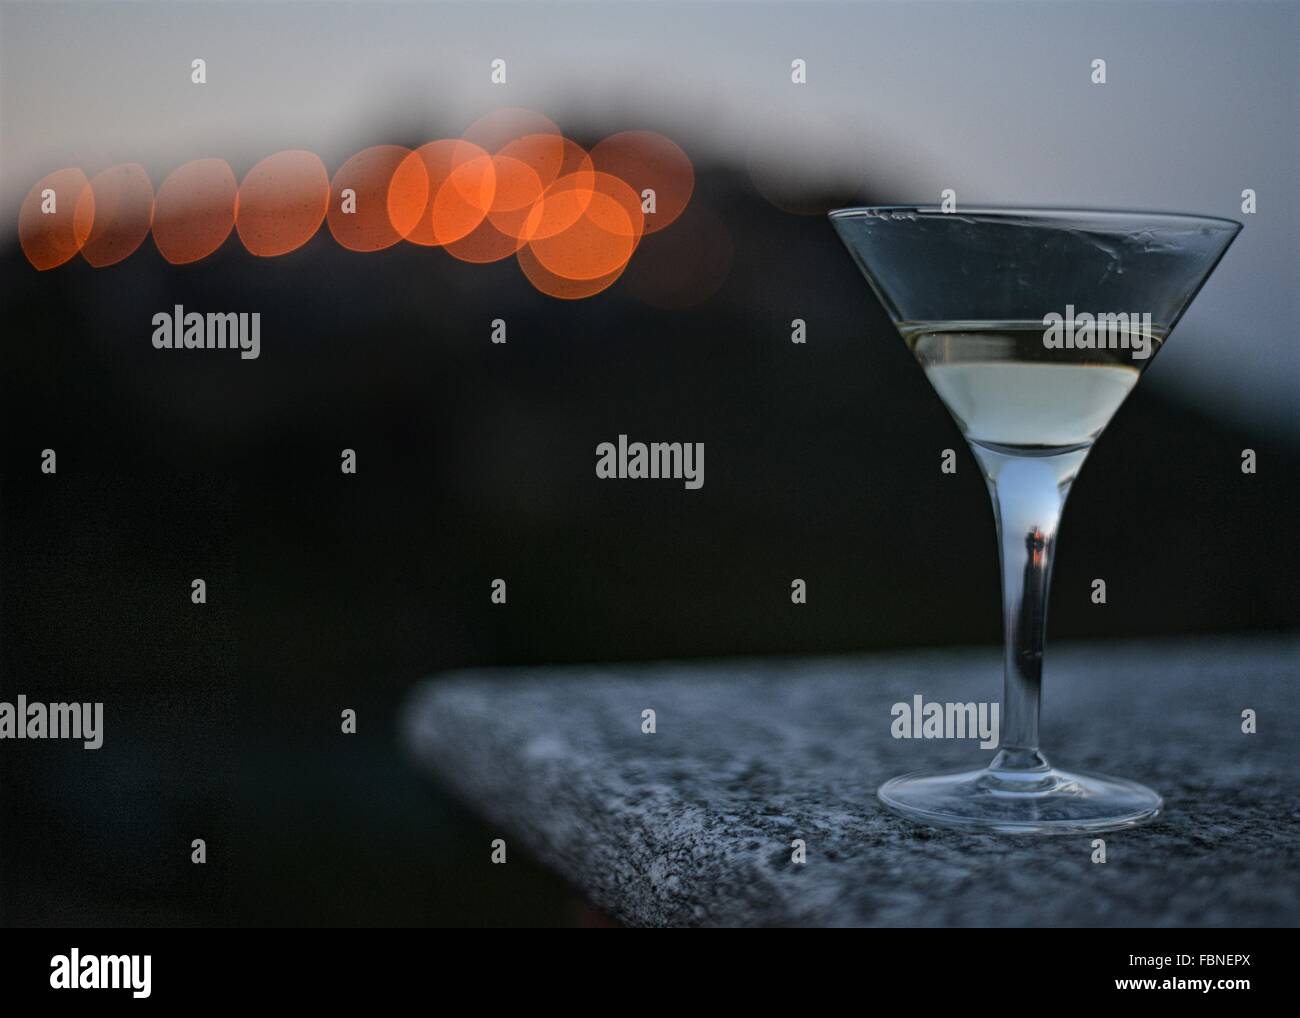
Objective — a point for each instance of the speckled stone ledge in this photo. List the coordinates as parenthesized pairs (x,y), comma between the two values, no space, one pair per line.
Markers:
(693,825)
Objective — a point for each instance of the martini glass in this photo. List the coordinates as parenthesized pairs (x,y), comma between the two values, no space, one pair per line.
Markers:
(1033,325)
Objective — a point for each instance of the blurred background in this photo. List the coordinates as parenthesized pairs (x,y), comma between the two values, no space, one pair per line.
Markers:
(476,460)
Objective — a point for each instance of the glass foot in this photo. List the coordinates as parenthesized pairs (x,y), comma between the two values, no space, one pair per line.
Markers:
(1045,801)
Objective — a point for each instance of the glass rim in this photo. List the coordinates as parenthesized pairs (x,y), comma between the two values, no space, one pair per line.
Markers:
(1033,213)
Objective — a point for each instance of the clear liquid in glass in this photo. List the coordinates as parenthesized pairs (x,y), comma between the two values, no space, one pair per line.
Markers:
(1009,391)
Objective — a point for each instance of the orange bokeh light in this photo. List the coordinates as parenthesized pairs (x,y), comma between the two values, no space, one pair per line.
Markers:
(462,201)
(424,209)
(512,185)
(649,161)
(49,239)
(484,244)
(561,205)
(547,282)
(550,156)
(408,194)
(282,203)
(369,175)
(194,211)
(601,240)
(518,190)
(115,213)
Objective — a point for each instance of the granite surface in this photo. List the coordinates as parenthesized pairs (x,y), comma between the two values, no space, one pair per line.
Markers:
(693,824)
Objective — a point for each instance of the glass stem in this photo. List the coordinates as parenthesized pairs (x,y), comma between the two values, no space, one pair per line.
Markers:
(1028,495)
